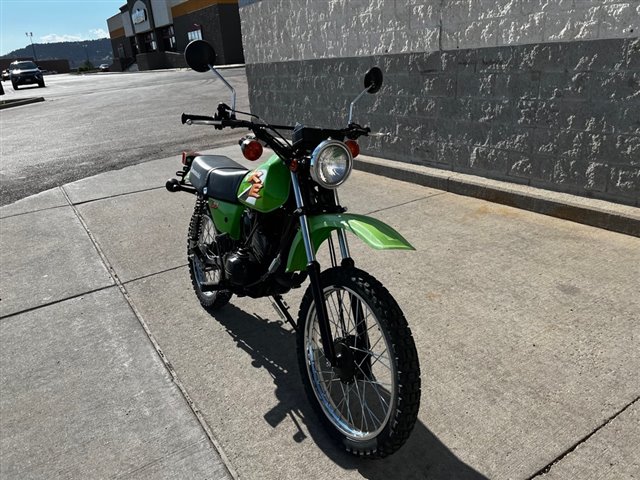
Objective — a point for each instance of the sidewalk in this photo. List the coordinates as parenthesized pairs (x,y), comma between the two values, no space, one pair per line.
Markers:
(526,326)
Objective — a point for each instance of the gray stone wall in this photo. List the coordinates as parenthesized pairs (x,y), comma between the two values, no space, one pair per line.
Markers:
(558,115)
(314,29)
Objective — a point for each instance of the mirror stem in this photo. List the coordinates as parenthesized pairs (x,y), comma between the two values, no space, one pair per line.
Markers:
(233,92)
(354,102)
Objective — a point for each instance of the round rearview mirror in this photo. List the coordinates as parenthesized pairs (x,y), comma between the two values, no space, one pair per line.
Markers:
(199,55)
(373,80)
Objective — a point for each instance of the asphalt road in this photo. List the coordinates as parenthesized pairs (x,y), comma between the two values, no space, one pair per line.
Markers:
(94,123)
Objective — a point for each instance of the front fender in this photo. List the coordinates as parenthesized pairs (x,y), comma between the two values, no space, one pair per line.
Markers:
(373,232)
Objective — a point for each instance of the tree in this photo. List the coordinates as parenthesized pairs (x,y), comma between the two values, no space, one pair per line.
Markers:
(86,66)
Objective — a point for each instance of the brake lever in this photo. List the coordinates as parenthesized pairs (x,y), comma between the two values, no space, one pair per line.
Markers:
(379,134)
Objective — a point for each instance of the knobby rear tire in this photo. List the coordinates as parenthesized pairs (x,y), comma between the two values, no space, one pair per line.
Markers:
(402,411)
(201,217)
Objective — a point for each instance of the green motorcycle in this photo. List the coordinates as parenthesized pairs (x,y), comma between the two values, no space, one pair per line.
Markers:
(256,233)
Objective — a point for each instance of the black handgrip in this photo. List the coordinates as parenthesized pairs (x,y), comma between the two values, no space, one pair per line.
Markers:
(187,116)
(354,131)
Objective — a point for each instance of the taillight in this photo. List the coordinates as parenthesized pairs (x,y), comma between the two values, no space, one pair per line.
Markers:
(251,149)
(187,157)
(353,147)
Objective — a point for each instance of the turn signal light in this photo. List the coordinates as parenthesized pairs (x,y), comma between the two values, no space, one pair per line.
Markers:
(251,149)
(353,147)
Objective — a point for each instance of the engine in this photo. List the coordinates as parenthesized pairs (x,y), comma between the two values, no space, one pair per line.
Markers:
(259,245)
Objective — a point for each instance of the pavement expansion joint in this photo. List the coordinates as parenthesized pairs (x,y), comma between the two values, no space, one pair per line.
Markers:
(184,265)
(55,302)
(33,211)
(83,202)
(165,361)
(544,470)
(415,200)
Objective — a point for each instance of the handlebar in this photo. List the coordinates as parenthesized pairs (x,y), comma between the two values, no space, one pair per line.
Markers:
(190,119)
(308,137)
(352,131)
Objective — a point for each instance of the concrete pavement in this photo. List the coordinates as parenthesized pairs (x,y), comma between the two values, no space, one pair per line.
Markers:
(526,326)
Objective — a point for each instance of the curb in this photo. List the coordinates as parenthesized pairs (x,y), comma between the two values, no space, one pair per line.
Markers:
(596,213)
(17,103)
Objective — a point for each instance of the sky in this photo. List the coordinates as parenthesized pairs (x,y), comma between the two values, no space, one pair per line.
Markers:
(53,21)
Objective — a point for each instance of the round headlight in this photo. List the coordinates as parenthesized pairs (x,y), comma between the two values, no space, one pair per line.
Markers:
(331,164)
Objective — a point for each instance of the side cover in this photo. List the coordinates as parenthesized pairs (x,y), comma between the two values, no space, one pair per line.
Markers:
(267,187)
(373,232)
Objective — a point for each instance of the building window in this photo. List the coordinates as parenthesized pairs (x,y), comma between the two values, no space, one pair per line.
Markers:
(195,33)
(150,42)
(120,50)
(168,39)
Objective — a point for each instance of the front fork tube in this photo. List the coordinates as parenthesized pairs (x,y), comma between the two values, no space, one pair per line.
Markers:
(313,269)
(342,240)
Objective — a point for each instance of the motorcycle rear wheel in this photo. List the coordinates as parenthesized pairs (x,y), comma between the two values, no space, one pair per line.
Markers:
(202,235)
(370,405)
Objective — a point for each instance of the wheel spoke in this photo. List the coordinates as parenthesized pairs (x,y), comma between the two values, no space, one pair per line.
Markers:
(344,397)
(362,399)
(372,415)
(335,309)
(375,344)
(388,367)
(356,321)
(374,385)
(350,417)
(375,382)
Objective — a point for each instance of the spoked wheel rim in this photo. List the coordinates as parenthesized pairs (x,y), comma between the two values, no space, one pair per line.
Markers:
(360,398)
(205,242)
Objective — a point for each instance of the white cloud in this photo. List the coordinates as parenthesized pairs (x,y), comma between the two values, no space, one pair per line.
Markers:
(54,37)
(99,32)
(93,34)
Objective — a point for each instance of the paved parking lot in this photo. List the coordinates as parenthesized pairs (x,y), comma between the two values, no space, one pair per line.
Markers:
(99,122)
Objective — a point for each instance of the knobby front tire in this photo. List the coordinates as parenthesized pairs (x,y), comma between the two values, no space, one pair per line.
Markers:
(202,233)
(371,406)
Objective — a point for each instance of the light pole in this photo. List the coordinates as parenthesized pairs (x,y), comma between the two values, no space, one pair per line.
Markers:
(30,37)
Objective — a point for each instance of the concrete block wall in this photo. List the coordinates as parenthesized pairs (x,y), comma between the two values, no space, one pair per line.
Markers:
(220,28)
(540,92)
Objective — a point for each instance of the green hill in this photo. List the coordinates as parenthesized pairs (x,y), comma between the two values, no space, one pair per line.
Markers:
(97,51)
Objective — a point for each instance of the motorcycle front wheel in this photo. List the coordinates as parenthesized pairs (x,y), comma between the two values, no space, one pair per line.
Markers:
(202,242)
(370,402)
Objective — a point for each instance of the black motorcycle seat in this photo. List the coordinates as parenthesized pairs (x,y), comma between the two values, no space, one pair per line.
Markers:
(217,176)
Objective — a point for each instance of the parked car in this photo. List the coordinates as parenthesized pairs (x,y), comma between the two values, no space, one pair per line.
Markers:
(24,73)
(5,74)
(104,67)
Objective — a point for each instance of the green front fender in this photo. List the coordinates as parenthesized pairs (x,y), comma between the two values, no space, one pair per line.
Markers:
(373,232)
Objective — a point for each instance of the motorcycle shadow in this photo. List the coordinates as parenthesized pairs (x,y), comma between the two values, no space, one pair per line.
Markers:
(271,345)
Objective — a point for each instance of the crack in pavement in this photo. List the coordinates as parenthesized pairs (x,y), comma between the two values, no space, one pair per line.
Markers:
(544,470)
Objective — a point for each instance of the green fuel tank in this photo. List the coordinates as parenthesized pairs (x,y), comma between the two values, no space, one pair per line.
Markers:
(267,187)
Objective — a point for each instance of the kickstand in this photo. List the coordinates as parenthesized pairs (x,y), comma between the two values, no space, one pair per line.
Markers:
(283,310)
